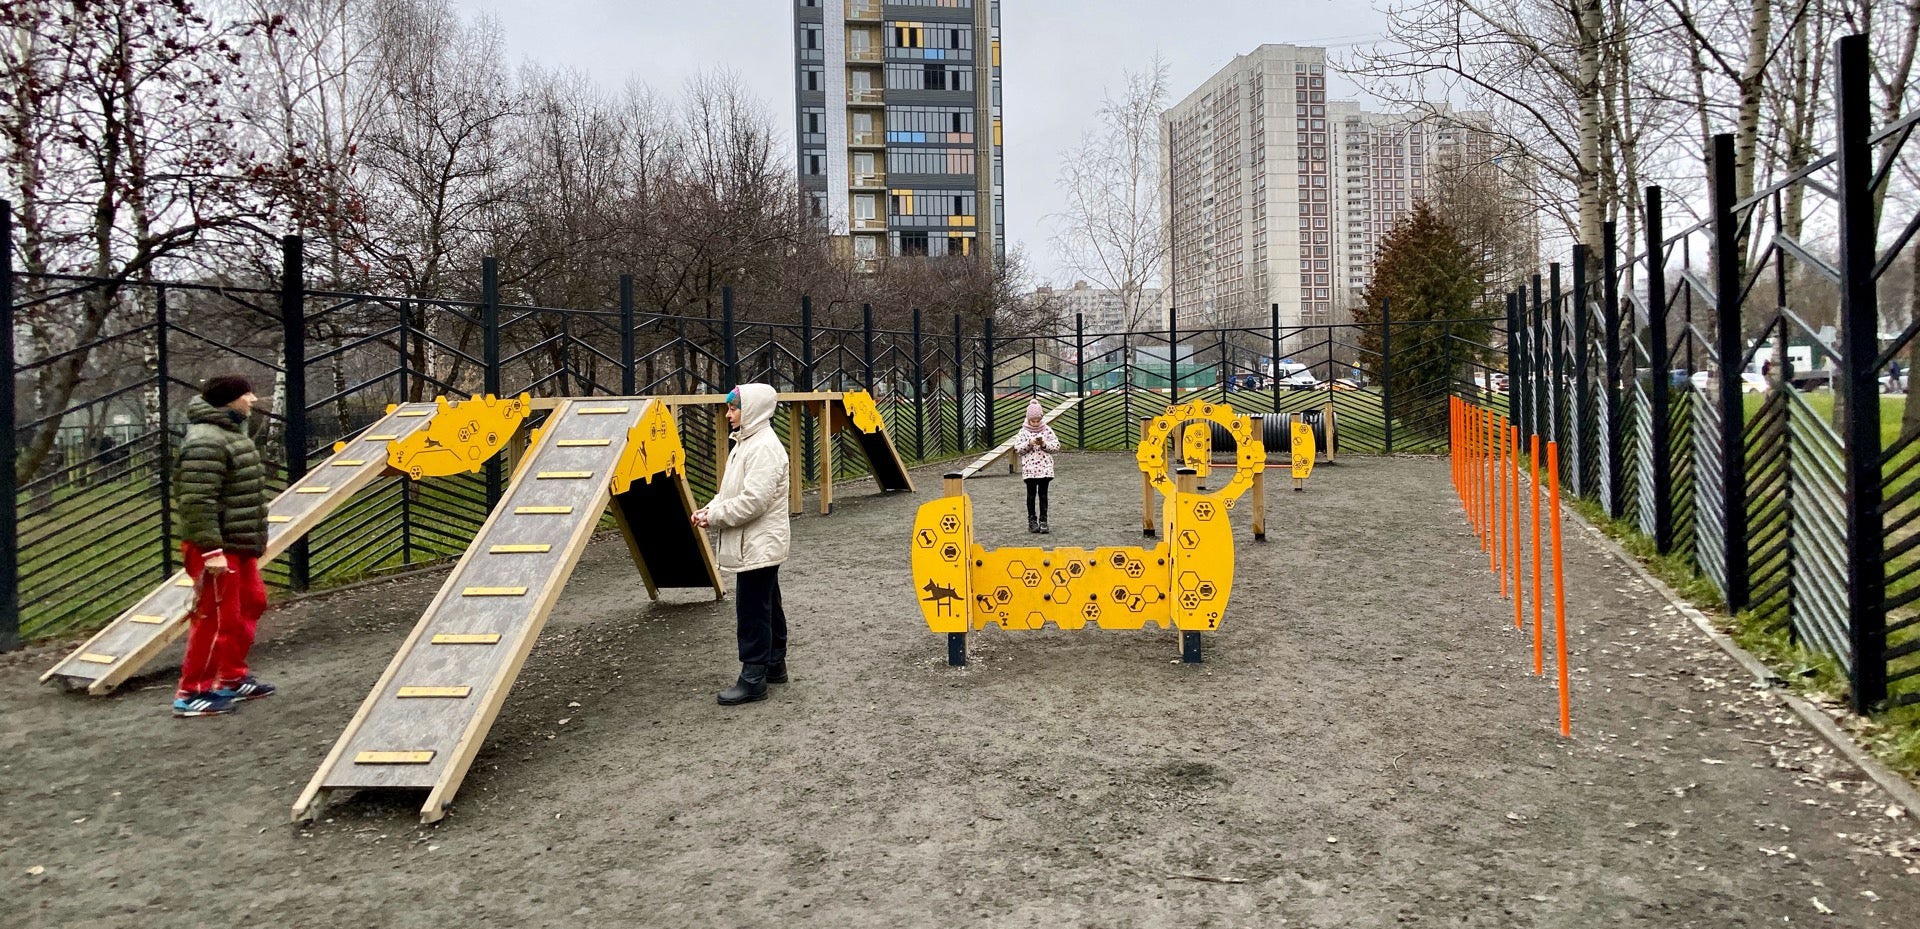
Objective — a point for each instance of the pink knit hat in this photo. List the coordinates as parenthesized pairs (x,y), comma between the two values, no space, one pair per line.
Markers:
(1033,409)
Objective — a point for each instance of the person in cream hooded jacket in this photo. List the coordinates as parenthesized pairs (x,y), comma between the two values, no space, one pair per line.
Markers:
(750,510)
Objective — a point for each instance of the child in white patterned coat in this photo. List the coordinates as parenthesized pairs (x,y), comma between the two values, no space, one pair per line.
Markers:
(1035,443)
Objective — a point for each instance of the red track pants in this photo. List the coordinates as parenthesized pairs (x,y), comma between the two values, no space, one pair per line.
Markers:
(224,618)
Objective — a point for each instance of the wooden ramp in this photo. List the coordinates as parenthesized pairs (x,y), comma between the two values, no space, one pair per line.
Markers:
(425,720)
(140,634)
(1006,448)
(856,410)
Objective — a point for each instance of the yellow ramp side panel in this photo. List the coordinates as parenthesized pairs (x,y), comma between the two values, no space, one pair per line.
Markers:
(653,507)
(942,543)
(857,410)
(461,437)
(475,642)
(144,631)
(1303,450)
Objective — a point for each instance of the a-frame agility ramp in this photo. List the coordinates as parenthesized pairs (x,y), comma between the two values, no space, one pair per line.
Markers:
(425,720)
(419,440)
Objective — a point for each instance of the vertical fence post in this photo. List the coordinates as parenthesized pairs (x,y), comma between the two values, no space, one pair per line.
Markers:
(163,361)
(400,341)
(866,343)
(1610,318)
(1173,358)
(987,392)
(919,392)
(1386,369)
(1080,378)
(1860,348)
(1727,339)
(1538,360)
(9,450)
(490,359)
(959,388)
(806,383)
(1582,373)
(293,413)
(1657,334)
(729,351)
(1556,367)
(627,360)
(1273,363)
(1516,362)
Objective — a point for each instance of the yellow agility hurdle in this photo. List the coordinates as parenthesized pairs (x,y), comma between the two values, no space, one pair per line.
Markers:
(1181,583)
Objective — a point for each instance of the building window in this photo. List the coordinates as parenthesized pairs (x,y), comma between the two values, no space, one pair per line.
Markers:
(912,243)
(863,206)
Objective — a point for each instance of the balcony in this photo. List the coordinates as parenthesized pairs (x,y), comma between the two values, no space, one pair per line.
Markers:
(863,11)
(872,139)
(868,181)
(871,54)
(869,224)
(871,96)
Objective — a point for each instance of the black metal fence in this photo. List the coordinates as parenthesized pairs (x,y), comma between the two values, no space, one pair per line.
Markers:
(1786,478)
(101,382)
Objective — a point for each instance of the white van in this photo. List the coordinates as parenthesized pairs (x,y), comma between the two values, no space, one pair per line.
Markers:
(1294,376)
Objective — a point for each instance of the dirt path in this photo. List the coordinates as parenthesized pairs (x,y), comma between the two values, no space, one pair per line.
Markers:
(1363,747)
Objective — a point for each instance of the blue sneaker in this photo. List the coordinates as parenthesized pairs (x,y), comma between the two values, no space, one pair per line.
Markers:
(204,703)
(248,689)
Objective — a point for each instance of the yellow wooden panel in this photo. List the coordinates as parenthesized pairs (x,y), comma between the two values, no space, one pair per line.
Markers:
(467,638)
(183,582)
(393,757)
(542,510)
(146,620)
(519,549)
(97,658)
(652,449)
(494,592)
(279,519)
(563,475)
(1121,587)
(378,438)
(584,443)
(1250,459)
(1303,450)
(461,437)
(1200,543)
(1197,446)
(458,692)
(313,489)
(602,410)
(349,463)
(411,413)
(941,546)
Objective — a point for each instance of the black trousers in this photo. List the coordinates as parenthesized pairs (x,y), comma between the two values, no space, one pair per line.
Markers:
(762,624)
(1037,487)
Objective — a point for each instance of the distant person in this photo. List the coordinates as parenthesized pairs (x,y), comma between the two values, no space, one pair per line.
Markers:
(221,493)
(1035,443)
(750,510)
(1896,379)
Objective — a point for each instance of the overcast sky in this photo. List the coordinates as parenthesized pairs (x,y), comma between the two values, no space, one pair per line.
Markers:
(1059,57)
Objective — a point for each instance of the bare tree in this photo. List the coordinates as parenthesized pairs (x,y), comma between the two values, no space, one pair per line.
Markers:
(1111,229)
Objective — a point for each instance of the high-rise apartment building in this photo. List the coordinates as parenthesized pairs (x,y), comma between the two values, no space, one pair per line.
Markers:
(1104,311)
(899,124)
(1275,195)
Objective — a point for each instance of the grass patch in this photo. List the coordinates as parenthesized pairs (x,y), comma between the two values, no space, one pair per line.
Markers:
(1892,736)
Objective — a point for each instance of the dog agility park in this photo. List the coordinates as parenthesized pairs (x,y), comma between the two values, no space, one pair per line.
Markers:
(1368,653)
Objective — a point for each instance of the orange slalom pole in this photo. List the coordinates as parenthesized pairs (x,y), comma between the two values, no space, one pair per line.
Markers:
(1473,477)
(1490,468)
(1538,643)
(1500,507)
(1559,587)
(1486,501)
(1513,508)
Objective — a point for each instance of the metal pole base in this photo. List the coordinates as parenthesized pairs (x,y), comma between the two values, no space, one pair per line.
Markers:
(1190,648)
(957,649)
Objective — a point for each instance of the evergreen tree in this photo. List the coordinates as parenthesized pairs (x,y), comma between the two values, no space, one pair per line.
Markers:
(1428,280)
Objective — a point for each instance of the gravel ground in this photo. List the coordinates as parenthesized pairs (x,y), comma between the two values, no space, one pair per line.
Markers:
(1364,746)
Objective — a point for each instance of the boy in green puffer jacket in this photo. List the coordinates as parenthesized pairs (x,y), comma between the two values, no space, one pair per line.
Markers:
(220,490)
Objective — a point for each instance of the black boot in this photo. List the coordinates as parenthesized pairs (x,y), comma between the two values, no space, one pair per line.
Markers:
(1033,525)
(751,686)
(777,672)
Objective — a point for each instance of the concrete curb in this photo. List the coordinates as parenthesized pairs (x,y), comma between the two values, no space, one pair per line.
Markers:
(1898,788)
